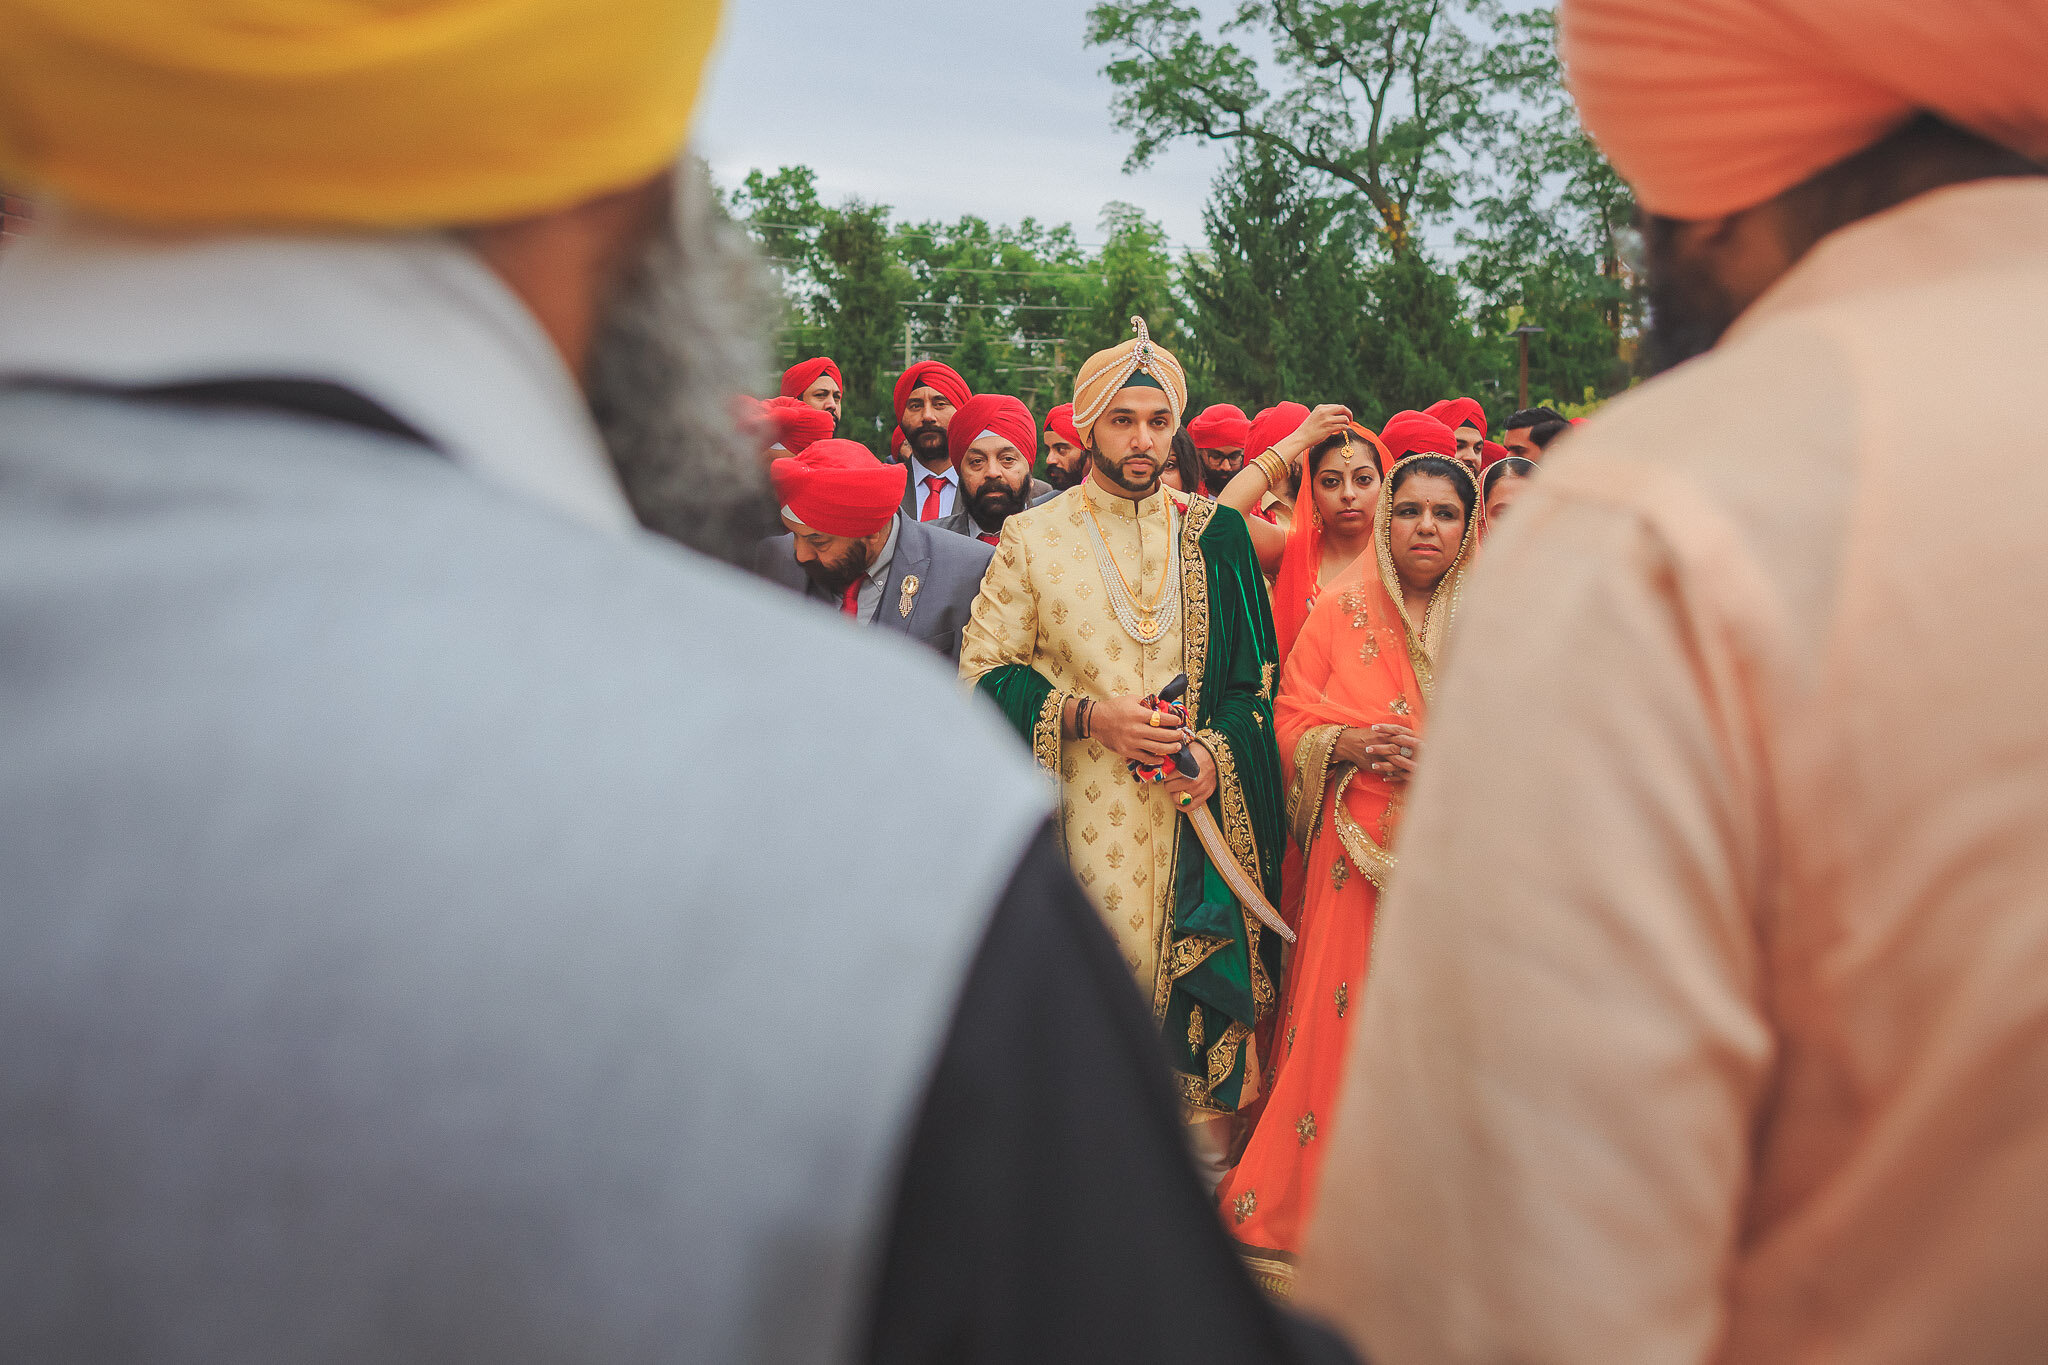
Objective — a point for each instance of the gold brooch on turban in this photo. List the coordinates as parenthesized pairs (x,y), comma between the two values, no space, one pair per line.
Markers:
(1108,372)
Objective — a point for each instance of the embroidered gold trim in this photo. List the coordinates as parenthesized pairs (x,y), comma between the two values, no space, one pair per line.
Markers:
(1223,1056)
(1194,1095)
(1194,597)
(1045,747)
(1244,842)
(1365,854)
(1273,1276)
(1311,783)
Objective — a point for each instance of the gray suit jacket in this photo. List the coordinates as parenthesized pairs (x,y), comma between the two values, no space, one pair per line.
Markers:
(948,569)
(424,934)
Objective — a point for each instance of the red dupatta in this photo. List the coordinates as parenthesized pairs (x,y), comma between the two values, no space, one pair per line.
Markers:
(1298,583)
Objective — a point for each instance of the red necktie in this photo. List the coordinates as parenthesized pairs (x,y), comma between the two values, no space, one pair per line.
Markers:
(850,604)
(993,540)
(932,482)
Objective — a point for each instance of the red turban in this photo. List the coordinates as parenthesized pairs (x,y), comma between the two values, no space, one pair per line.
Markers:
(804,373)
(997,412)
(1222,426)
(896,441)
(1459,412)
(933,375)
(797,424)
(838,488)
(1273,426)
(1060,422)
(1411,433)
(1491,454)
(1708,107)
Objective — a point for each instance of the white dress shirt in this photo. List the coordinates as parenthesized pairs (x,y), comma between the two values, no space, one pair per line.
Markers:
(949,488)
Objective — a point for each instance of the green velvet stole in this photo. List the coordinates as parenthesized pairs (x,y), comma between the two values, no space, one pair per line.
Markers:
(1219,967)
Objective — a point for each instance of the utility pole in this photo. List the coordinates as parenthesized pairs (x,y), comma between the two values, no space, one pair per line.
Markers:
(906,343)
(1522,335)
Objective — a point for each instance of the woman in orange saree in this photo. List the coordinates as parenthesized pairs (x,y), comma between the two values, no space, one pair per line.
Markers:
(1349,718)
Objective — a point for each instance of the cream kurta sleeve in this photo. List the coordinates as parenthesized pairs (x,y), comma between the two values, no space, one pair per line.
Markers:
(1542,1150)
(1002,625)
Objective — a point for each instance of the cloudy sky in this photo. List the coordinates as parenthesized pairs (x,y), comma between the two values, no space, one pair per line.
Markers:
(938,110)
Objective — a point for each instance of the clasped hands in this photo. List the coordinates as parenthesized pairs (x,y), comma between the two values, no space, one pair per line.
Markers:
(1123,725)
(1388,751)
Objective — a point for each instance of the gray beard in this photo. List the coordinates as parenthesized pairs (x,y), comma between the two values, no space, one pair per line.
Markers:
(679,338)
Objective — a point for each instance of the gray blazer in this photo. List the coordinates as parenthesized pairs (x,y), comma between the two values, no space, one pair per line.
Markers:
(384,870)
(948,569)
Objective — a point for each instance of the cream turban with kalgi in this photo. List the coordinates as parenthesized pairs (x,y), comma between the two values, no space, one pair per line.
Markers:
(1709,107)
(343,113)
(1108,372)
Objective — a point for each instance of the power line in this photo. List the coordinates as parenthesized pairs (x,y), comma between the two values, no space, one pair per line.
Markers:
(928,236)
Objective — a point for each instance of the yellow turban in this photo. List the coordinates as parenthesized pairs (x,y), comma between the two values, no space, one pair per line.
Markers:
(1107,372)
(343,113)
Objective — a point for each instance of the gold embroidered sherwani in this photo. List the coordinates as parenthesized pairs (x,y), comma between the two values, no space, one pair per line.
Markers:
(1044,604)
(1043,630)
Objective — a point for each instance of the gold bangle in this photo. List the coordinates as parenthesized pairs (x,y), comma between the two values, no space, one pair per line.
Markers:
(1273,467)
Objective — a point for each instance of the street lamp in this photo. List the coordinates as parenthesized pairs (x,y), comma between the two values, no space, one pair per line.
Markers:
(1522,335)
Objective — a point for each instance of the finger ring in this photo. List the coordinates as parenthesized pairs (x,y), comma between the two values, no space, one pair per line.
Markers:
(1186,800)
(1153,719)
(1407,752)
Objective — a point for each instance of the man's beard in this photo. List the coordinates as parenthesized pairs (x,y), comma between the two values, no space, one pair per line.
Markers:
(1689,309)
(1063,477)
(678,338)
(927,443)
(835,580)
(1110,472)
(994,502)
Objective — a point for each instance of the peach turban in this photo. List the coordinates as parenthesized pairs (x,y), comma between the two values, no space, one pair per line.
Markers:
(343,113)
(1708,107)
(1106,373)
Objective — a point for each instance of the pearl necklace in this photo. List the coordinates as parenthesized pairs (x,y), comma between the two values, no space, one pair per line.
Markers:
(1145,625)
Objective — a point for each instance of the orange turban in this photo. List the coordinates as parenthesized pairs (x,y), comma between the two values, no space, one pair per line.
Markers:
(804,373)
(839,488)
(798,425)
(941,378)
(343,113)
(1459,412)
(1007,417)
(1708,107)
(1416,433)
(1222,426)
(1060,422)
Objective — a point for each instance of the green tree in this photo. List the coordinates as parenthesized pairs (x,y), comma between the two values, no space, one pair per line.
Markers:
(1548,243)
(1278,303)
(861,286)
(1133,278)
(782,212)
(1377,100)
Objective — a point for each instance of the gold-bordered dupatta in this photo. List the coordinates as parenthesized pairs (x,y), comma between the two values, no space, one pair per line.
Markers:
(1362,661)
